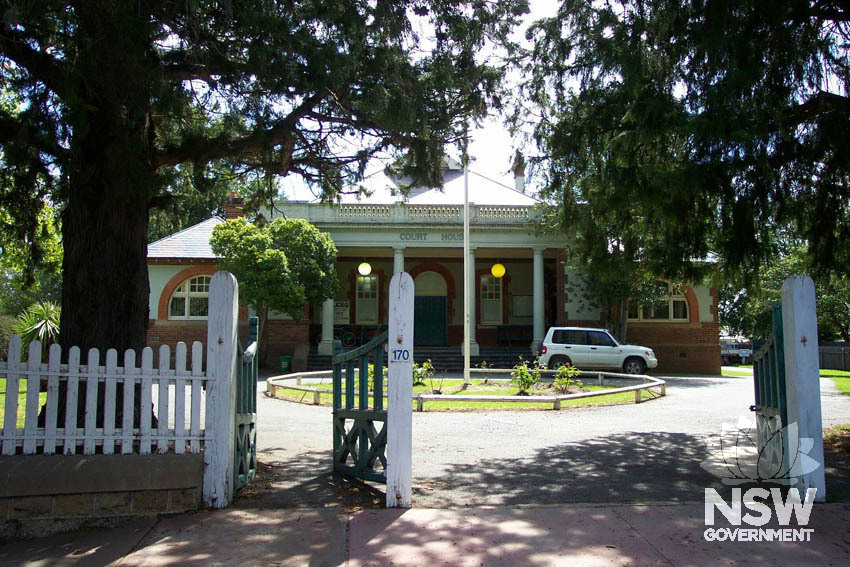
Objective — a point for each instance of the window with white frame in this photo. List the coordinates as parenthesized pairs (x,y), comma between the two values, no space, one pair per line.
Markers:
(367,300)
(672,305)
(191,300)
(491,300)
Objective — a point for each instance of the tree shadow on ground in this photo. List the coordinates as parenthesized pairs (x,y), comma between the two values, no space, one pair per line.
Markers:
(306,481)
(624,468)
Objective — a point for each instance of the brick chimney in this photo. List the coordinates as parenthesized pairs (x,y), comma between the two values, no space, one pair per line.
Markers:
(233,207)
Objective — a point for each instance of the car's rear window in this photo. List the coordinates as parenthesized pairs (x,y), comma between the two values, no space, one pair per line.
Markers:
(569,337)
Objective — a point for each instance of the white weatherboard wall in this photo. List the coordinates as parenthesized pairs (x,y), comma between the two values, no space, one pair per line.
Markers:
(400,393)
(802,380)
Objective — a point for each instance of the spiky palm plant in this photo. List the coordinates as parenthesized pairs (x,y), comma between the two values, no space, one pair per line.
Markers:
(40,322)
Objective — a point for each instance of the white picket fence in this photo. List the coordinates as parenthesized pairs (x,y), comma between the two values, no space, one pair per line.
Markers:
(174,395)
(194,408)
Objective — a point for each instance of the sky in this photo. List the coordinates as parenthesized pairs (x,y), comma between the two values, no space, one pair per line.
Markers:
(491,146)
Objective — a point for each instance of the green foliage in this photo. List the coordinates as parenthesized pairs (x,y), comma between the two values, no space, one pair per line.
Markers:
(523,377)
(279,266)
(107,107)
(191,194)
(610,285)
(371,377)
(564,378)
(672,129)
(16,294)
(422,372)
(7,323)
(748,311)
(30,265)
(39,323)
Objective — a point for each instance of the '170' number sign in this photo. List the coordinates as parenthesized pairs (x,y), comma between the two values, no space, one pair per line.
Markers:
(401,354)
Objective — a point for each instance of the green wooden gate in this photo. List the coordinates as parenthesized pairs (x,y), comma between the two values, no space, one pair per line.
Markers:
(771,405)
(245,431)
(358,445)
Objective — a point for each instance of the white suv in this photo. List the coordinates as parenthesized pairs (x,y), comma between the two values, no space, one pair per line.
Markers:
(593,348)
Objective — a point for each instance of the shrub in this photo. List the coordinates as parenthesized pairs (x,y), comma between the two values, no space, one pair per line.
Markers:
(371,379)
(422,372)
(7,323)
(523,377)
(564,378)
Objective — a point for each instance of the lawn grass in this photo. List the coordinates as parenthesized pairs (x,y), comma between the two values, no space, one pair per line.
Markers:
(478,388)
(841,378)
(22,401)
(735,372)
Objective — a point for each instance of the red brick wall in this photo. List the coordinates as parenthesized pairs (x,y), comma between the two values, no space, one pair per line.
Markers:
(691,347)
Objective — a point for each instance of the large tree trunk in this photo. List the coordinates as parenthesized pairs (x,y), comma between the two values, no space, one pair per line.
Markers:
(105,291)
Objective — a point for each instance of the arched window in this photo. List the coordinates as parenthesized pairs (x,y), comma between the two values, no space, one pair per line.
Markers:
(672,305)
(191,300)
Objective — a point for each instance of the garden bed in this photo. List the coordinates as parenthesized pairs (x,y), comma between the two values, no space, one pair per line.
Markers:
(494,394)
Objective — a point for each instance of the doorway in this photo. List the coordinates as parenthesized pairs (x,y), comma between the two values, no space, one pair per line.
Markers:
(429,310)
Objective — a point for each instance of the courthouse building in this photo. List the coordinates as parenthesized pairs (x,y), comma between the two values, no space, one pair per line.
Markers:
(382,232)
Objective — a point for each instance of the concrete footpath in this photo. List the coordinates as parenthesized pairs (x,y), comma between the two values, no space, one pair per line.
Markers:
(563,535)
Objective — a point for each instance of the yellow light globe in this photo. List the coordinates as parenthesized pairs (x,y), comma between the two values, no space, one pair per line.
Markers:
(364,269)
(498,270)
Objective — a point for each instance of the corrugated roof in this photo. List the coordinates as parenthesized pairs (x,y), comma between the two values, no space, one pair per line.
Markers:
(190,243)
(385,190)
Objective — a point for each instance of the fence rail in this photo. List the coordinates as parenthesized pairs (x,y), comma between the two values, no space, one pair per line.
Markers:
(93,408)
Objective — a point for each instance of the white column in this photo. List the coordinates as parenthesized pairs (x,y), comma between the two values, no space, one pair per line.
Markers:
(398,260)
(472,290)
(539,331)
(326,347)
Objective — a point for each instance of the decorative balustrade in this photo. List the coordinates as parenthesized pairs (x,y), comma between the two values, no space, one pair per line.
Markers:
(364,211)
(432,212)
(503,213)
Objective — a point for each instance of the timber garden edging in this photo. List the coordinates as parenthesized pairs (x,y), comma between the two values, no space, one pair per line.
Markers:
(283,382)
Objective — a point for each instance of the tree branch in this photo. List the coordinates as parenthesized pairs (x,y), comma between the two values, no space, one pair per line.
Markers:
(208,149)
(817,105)
(39,65)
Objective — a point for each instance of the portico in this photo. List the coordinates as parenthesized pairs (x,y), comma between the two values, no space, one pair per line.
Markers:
(422,234)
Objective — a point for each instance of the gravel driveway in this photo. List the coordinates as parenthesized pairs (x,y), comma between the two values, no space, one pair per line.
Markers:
(630,453)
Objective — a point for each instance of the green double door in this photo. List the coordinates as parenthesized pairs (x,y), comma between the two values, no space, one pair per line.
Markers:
(429,320)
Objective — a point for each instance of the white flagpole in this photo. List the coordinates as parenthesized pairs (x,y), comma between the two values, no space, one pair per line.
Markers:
(466,267)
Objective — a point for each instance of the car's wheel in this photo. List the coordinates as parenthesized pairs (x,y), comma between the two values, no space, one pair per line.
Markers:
(634,366)
(557,362)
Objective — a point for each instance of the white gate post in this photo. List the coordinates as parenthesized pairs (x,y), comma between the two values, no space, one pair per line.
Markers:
(222,341)
(802,381)
(400,393)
